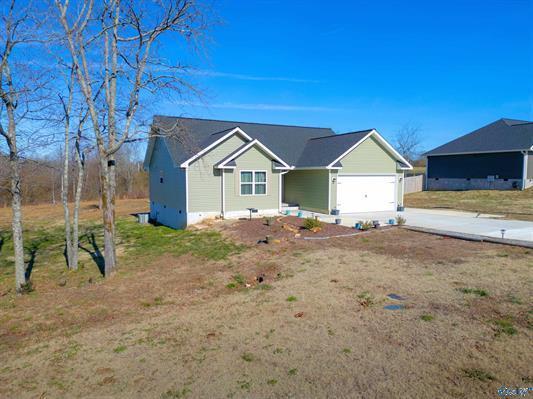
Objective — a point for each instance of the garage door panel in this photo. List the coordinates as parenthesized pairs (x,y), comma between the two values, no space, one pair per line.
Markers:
(366,193)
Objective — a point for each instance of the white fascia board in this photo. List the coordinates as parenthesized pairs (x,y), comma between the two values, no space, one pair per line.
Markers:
(391,149)
(247,147)
(349,150)
(215,143)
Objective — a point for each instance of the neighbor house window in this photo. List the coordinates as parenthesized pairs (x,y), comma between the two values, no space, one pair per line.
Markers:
(253,182)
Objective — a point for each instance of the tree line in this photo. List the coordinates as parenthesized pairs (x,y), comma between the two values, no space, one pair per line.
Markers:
(80,77)
(41,179)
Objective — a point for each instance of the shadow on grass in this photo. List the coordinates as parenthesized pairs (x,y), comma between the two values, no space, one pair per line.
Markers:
(2,241)
(32,249)
(94,252)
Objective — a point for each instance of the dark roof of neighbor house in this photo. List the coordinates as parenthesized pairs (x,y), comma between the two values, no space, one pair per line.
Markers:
(324,150)
(502,135)
(187,136)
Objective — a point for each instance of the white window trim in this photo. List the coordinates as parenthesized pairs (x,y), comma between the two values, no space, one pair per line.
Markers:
(253,183)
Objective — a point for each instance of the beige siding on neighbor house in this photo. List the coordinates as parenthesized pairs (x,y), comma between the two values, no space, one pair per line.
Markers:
(307,188)
(252,159)
(205,189)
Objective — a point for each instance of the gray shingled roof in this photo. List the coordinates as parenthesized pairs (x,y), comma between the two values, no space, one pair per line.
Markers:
(502,135)
(187,136)
(321,151)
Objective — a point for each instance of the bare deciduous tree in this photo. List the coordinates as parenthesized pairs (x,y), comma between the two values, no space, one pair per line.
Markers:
(72,226)
(408,141)
(17,30)
(113,46)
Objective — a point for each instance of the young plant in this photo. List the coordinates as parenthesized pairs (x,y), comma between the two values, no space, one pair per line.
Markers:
(310,223)
(366,225)
(400,220)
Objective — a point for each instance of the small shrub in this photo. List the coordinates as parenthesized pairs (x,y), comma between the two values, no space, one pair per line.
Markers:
(247,357)
(311,223)
(346,350)
(269,220)
(293,371)
(231,285)
(426,317)
(400,220)
(272,382)
(291,298)
(366,225)
(478,374)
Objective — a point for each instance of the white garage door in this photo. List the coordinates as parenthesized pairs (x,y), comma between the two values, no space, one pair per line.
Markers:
(366,193)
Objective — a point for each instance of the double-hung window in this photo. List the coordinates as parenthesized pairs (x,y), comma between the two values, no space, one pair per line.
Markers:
(253,182)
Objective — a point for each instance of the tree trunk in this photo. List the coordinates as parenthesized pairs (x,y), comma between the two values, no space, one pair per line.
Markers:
(64,199)
(21,280)
(77,201)
(108,213)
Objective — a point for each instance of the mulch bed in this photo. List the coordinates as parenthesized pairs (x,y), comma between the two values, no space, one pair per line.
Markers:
(256,230)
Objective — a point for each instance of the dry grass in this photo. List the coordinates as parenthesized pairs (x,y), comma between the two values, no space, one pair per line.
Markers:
(512,204)
(167,326)
(47,215)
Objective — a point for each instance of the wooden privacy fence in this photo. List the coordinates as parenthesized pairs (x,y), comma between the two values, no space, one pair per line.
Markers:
(414,184)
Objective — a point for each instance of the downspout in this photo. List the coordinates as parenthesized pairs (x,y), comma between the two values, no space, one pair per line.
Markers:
(280,189)
(223,196)
(524,170)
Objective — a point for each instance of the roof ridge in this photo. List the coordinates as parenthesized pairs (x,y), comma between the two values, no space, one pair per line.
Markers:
(342,134)
(249,123)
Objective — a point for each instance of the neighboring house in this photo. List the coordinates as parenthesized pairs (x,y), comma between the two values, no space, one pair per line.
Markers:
(203,168)
(498,156)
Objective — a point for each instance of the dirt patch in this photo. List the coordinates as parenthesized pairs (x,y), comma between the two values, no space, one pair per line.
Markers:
(283,228)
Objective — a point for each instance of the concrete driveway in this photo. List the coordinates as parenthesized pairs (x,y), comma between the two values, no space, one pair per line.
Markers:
(455,221)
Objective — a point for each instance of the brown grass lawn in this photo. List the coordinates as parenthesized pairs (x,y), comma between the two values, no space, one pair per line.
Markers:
(187,318)
(512,204)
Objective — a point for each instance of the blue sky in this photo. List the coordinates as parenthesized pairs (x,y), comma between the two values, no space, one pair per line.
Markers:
(446,66)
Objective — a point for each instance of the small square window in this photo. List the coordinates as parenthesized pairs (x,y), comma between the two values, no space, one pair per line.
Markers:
(160,180)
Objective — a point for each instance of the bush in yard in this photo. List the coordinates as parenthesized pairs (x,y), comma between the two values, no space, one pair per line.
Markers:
(400,220)
(312,224)
(367,225)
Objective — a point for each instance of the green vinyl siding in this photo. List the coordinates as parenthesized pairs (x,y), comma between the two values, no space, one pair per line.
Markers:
(171,191)
(369,157)
(252,160)
(205,182)
(307,188)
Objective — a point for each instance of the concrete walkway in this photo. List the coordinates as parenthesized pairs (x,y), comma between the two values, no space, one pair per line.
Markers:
(447,220)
